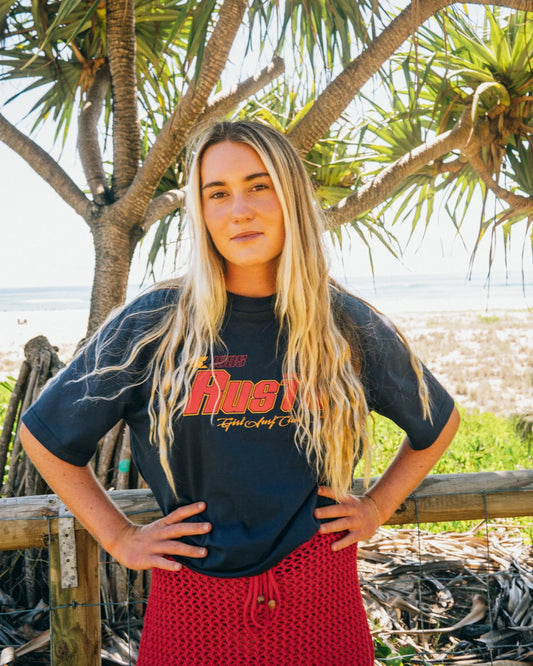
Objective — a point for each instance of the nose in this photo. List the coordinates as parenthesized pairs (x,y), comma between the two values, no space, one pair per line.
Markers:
(241,211)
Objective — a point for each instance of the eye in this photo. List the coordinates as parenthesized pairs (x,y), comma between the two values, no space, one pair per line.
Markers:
(217,195)
(258,187)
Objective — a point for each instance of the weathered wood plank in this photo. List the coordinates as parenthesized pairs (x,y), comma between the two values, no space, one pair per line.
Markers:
(470,496)
(26,522)
(23,533)
(472,482)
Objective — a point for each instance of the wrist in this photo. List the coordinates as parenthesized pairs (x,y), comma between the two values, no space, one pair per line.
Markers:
(370,501)
(115,535)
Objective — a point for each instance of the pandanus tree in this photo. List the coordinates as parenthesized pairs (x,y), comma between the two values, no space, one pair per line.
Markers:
(475,83)
(453,113)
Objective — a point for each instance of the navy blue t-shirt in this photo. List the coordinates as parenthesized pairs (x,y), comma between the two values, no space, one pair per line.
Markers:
(234,446)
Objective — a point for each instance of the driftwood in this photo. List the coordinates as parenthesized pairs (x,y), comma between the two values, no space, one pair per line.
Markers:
(112,461)
(41,363)
(27,571)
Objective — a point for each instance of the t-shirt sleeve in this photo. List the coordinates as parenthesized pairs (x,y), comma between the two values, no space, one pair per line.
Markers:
(390,382)
(79,406)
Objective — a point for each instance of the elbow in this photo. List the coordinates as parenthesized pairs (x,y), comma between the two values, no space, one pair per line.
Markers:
(452,426)
(455,419)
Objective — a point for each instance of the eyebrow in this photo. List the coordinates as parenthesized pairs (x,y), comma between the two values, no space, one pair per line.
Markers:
(220,183)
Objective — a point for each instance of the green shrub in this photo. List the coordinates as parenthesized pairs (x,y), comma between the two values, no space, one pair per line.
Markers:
(483,443)
(6,388)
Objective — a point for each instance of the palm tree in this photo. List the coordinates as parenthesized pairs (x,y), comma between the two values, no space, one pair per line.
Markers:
(484,78)
(148,75)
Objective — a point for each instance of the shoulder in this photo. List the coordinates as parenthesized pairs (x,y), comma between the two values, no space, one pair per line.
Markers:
(154,299)
(145,311)
(367,320)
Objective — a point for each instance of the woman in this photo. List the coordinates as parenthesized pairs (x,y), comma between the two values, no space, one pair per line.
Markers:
(246,385)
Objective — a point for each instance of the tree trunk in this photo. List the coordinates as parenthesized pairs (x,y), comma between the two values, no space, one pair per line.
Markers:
(121,50)
(114,245)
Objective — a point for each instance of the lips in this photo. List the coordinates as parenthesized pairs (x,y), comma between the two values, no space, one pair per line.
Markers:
(246,235)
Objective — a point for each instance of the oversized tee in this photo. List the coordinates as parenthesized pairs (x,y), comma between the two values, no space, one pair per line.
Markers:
(234,445)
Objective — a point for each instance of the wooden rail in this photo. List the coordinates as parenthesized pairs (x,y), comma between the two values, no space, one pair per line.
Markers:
(33,522)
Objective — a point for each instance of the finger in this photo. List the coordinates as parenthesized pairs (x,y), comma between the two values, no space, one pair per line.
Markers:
(334,511)
(346,541)
(184,550)
(184,529)
(326,491)
(337,526)
(166,564)
(183,512)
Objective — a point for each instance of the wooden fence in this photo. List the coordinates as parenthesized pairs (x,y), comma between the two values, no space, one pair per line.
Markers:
(34,522)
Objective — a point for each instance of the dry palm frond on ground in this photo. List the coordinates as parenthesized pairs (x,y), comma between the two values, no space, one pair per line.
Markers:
(453,598)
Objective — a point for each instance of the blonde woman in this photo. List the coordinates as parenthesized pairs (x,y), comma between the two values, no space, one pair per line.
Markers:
(247,386)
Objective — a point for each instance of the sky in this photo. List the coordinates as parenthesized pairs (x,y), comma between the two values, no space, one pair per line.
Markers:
(45,243)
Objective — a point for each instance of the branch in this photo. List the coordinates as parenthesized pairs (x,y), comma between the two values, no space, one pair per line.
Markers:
(515,201)
(172,136)
(41,162)
(121,54)
(226,101)
(449,167)
(371,194)
(164,204)
(88,145)
(339,93)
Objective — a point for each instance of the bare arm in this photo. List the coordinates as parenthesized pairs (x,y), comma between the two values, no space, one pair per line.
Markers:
(401,477)
(135,546)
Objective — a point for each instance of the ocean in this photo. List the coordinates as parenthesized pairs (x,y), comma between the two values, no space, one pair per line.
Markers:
(444,293)
(31,299)
(391,294)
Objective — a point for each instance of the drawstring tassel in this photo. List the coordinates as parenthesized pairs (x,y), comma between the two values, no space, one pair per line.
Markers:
(262,588)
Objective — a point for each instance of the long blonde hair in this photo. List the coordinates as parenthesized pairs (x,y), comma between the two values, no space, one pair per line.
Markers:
(330,410)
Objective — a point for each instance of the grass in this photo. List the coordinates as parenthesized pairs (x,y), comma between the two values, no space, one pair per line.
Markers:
(484,442)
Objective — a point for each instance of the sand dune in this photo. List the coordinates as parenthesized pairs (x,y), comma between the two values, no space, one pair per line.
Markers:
(486,361)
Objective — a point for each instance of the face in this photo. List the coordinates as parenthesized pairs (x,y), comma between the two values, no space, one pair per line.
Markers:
(243,215)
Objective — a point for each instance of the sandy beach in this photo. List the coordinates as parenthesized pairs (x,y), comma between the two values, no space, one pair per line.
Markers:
(485,360)
(63,328)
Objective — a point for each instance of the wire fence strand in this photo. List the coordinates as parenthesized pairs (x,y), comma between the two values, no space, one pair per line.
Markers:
(416,585)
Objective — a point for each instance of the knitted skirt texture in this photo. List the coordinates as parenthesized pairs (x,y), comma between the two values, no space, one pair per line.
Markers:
(307,610)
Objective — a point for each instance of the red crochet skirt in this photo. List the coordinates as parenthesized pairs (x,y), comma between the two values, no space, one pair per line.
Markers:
(306,610)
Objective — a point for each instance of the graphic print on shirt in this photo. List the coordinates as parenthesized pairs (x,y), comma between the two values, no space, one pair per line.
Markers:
(239,401)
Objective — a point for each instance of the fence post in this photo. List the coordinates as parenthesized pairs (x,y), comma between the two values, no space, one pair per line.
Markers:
(75,611)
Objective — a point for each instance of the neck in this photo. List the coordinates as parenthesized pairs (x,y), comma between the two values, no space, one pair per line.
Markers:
(251,283)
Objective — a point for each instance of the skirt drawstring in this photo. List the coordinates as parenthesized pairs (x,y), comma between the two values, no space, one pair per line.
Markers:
(262,602)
